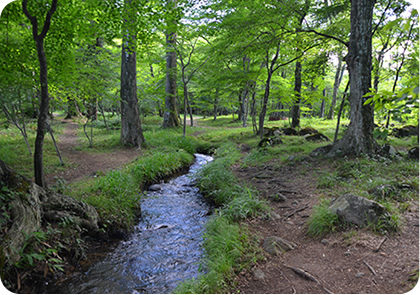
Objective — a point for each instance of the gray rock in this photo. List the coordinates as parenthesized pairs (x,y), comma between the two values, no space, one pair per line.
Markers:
(324,241)
(316,137)
(278,198)
(388,151)
(358,210)
(359,274)
(276,245)
(258,274)
(155,187)
(274,215)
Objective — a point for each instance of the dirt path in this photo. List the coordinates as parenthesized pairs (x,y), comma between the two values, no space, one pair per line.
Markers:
(341,262)
(81,164)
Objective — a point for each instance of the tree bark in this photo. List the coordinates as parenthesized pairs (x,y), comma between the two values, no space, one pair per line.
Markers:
(359,138)
(170,116)
(131,131)
(216,102)
(297,91)
(43,77)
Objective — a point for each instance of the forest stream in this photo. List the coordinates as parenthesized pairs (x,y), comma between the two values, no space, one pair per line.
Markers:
(164,250)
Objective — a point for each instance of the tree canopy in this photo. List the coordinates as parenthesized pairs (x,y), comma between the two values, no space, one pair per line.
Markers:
(257,60)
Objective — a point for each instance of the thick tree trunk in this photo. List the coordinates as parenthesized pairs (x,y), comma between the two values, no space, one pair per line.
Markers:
(170,116)
(297,90)
(359,139)
(131,131)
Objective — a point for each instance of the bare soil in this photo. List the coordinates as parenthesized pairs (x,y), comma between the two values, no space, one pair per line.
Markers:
(354,261)
(82,164)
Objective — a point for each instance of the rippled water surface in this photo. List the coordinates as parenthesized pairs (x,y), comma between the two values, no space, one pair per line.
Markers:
(165,248)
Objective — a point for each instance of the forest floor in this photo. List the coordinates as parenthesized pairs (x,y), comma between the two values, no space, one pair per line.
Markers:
(82,164)
(356,261)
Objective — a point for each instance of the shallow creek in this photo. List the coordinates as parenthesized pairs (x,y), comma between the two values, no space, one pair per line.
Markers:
(165,248)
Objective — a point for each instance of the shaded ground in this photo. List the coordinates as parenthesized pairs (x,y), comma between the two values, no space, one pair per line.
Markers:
(82,164)
(350,262)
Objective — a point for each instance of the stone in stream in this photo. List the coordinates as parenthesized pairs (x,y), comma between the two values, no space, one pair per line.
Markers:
(155,187)
(276,245)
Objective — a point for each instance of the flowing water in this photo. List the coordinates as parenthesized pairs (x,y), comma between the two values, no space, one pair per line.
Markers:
(165,248)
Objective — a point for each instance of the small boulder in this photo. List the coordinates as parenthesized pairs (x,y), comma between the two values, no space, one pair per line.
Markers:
(268,132)
(406,131)
(413,153)
(155,187)
(358,210)
(307,130)
(269,141)
(388,151)
(289,131)
(317,137)
(276,245)
(278,198)
(258,274)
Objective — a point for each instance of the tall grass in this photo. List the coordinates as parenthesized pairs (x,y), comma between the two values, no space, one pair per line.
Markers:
(228,247)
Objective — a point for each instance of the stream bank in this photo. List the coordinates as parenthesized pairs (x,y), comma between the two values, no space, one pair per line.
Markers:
(164,249)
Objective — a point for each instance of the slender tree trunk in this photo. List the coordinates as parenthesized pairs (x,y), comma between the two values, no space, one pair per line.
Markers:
(297,90)
(170,116)
(241,108)
(216,102)
(340,111)
(264,105)
(184,129)
(190,110)
(43,77)
(358,138)
(131,131)
(337,80)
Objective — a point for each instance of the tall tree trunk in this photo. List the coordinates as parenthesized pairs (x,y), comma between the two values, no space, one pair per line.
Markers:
(131,131)
(241,108)
(43,77)
(297,90)
(184,127)
(216,102)
(337,80)
(264,105)
(358,138)
(170,116)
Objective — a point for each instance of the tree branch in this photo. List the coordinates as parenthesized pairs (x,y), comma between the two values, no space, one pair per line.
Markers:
(296,58)
(34,20)
(31,18)
(47,22)
(324,35)
(382,17)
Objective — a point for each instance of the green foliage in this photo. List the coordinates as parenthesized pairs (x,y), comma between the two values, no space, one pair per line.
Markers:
(217,182)
(228,250)
(322,220)
(36,250)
